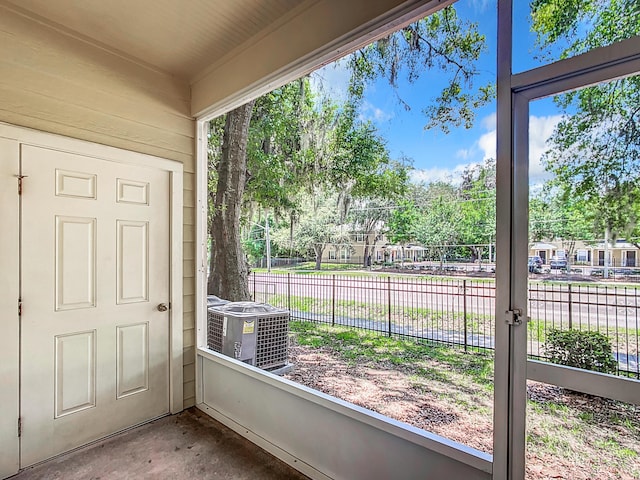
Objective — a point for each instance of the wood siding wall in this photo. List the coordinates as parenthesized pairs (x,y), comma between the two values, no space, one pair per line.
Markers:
(57,83)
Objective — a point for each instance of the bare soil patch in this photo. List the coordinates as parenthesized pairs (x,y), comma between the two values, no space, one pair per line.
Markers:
(391,392)
(570,436)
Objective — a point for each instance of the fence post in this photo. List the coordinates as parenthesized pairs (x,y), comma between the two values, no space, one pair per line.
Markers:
(464,311)
(289,291)
(254,286)
(389,304)
(570,308)
(333,301)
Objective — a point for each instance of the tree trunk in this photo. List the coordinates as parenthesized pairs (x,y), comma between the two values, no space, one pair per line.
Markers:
(372,252)
(365,262)
(319,250)
(228,277)
(569,253)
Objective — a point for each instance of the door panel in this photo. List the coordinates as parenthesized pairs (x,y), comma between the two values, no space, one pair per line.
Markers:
(9,271)
(75,257)
(133,359)
(75,184)
(132,261)
(75,372)
(95,253)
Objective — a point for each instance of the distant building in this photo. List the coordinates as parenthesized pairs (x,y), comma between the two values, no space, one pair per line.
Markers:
(380,251)
(620,253)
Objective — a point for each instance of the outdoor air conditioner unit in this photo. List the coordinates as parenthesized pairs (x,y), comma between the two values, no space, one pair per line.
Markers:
(213,301)
(254,333)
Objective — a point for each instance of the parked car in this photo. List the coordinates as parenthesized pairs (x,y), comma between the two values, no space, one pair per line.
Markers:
(558,263)
(535,264)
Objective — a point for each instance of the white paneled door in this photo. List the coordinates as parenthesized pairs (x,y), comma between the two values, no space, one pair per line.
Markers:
(95,298)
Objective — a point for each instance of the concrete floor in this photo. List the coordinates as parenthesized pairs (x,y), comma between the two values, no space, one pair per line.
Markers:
(190,445)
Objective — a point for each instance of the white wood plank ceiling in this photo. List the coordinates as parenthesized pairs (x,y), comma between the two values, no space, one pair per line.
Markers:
(182,38)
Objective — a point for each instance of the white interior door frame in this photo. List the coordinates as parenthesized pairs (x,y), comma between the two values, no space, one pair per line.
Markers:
(9,320)
(26,136)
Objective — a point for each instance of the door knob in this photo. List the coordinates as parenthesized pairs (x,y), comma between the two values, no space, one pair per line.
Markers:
(163,307)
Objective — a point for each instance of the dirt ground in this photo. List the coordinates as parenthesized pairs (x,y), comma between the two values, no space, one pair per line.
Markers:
(464,413)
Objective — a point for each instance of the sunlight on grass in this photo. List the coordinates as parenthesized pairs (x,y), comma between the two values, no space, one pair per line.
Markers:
(352,343)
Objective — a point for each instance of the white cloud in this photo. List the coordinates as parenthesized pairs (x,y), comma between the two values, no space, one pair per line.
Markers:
(332,80)
(465,153)
(481,5)
(368,111)
(540,129)
(489,122)
(435,174)
(487,143)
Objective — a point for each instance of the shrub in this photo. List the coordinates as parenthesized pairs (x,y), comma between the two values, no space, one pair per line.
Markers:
(580,349)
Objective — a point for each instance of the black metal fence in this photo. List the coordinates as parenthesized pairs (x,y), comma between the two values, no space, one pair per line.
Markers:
(279,262)
(455,311)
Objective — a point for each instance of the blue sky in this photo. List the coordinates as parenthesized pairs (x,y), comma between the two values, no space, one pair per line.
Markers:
(440,156)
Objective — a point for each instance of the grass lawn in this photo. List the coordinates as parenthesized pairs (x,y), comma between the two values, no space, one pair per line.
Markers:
(450,393)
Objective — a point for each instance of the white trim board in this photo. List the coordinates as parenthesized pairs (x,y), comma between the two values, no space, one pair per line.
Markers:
(9,320)
(61,143)
(594,383)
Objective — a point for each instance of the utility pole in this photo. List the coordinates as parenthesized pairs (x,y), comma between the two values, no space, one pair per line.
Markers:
(268,243)
(606,253)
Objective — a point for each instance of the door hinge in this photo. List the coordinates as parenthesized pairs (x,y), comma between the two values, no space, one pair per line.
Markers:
(20,178)
(19,307)
(513,317)
(19,426)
